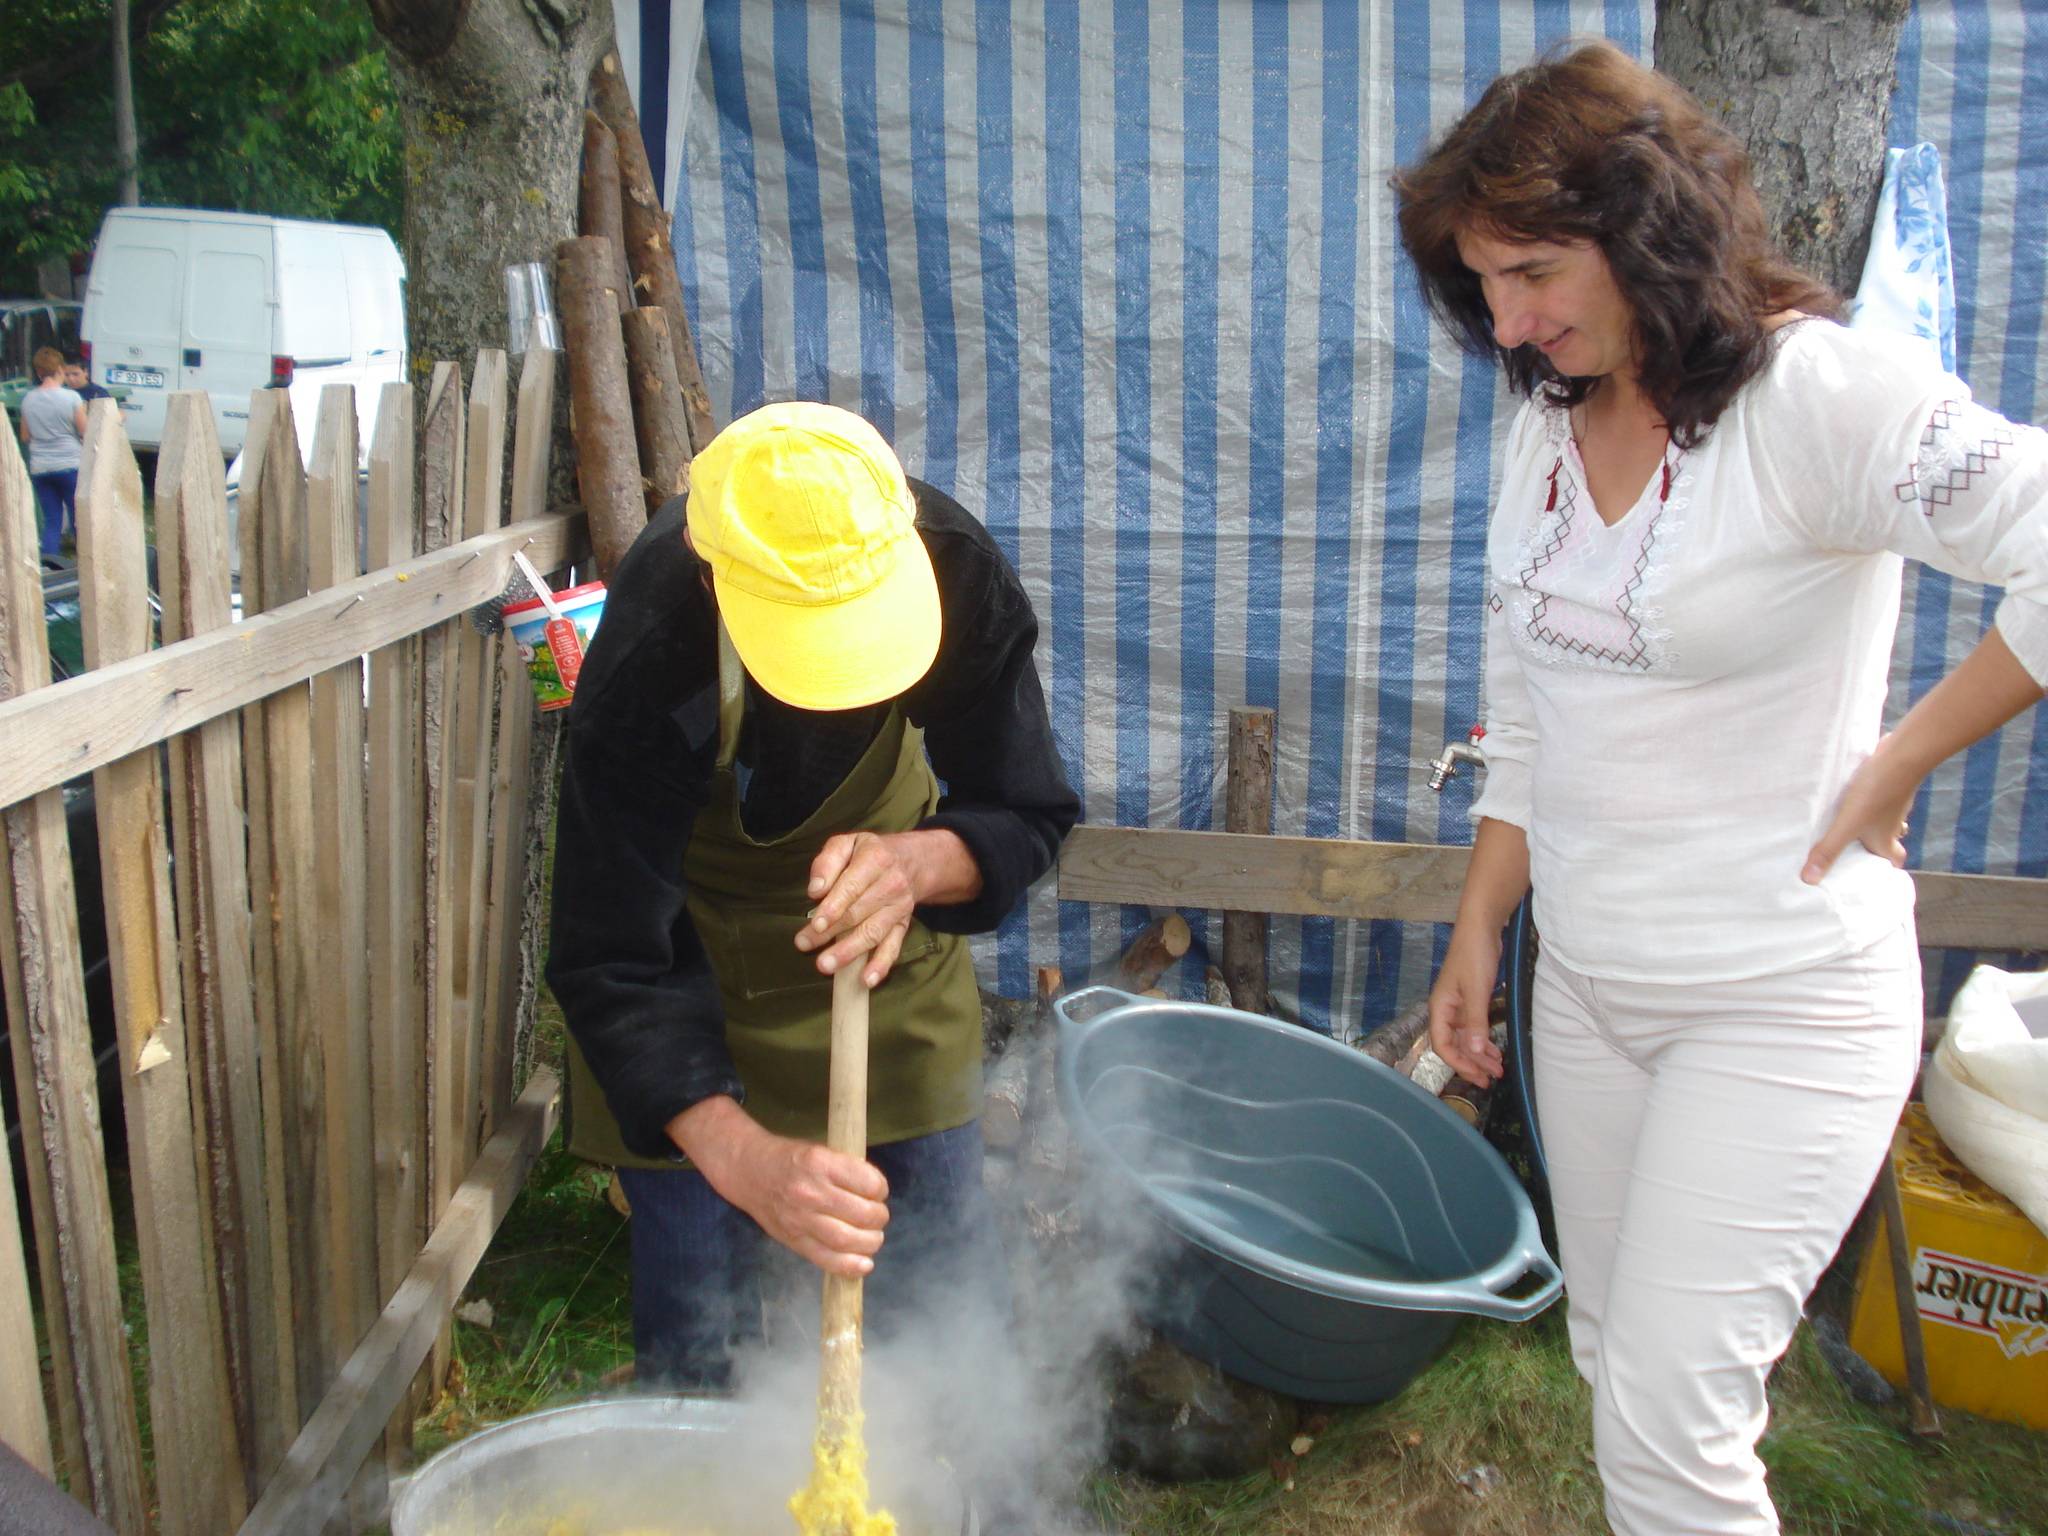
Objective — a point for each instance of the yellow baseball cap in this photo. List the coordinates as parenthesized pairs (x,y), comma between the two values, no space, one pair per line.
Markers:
(804,517)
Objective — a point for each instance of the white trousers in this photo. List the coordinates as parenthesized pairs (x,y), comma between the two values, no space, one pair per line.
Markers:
(1708,1147)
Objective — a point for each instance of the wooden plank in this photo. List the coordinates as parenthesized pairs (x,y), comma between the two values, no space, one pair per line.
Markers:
(24,1418)
(1980,911)
(200,1480)
(442,482)
(278,730)
(17,502)
(396,892)
(503,917)
(533,436)
(474,697)
(86,722)
(398,996)
(44,985)
(212,885)
(318,1470)
(1242,872)
(271,530)
(504,978)
(1419,882)
(340,890)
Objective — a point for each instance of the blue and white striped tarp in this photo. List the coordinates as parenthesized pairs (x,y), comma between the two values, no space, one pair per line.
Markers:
(1123,278)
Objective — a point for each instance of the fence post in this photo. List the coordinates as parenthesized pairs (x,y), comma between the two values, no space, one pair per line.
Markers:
(200,1480)
(1248,807)
(45,989)
(212,883)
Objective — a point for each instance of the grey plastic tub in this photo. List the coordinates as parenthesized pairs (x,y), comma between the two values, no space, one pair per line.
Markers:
(649,1464)
(1323,1222)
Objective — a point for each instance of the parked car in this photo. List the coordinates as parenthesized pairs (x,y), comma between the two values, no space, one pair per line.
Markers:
(62,618)
(27,326)
(186,298)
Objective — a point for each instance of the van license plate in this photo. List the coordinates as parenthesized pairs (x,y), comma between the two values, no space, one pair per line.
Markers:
(152,378)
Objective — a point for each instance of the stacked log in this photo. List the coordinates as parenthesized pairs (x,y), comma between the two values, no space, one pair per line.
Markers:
(638,408)
(1403,1044)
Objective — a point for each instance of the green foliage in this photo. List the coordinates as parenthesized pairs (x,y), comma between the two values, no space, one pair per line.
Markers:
(263,106)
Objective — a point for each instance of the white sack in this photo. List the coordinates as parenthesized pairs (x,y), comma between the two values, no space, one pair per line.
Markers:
(1987,1092)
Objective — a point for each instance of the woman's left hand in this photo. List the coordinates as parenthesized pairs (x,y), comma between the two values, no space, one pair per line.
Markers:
(1872,811)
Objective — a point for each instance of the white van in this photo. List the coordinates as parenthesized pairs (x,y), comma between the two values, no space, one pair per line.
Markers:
(183,298)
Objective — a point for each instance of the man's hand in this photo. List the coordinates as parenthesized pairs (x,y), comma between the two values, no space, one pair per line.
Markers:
(1460,1030)
(868,884)
(822,1205)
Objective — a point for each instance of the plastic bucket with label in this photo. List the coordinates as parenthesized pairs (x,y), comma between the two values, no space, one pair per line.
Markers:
(554,683)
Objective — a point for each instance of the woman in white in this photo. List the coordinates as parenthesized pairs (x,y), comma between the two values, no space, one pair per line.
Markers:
(1694,577)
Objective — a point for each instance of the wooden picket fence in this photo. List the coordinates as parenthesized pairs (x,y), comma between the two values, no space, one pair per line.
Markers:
(313,849)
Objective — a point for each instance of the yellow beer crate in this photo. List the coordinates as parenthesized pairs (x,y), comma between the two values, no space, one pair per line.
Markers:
(1980,1277)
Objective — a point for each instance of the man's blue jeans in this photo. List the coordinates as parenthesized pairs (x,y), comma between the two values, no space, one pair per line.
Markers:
(697,1261)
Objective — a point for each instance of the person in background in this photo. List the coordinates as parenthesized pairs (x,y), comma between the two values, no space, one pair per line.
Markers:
(78,379)
(1694,577)
(53,428)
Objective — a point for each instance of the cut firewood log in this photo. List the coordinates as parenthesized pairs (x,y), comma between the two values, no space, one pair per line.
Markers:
(597,201)
(600,403)
(1152,951)
(1390,1042)
(659,424)
(1470,1103)
(649,251)
(1006,1093)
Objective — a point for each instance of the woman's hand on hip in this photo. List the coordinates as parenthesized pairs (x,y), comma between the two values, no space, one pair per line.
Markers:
(1460,1004)
(1872,811)
(822,1205)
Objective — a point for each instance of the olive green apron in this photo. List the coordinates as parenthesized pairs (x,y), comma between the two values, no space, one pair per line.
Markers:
(748,899)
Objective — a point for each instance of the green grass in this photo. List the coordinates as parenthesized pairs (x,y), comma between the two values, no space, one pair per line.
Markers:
(1508,1398)
(556,1279)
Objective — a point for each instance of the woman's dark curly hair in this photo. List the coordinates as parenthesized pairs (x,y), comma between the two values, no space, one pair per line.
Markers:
(1590,146)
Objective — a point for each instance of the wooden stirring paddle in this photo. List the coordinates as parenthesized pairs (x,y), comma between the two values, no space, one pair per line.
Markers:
(835,1501)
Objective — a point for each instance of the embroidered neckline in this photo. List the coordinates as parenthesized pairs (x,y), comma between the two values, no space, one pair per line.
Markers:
(1550,536)
(1664,488)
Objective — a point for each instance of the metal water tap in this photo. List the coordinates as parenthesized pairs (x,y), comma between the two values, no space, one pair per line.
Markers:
(1445,768)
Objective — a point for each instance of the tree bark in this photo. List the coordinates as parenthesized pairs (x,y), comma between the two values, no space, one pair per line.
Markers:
(124,110)
(648,250)
(600,200)
(1806,85)
(659,421)
(607,458)
(491,95)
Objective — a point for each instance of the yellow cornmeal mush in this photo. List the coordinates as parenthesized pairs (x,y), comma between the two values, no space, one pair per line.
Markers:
(835,1501)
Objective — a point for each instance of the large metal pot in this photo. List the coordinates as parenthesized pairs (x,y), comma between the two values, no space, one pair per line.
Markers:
(651,1466)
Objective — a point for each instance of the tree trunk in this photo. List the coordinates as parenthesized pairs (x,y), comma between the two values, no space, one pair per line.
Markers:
(124,110)
(491,96)
(1806,85)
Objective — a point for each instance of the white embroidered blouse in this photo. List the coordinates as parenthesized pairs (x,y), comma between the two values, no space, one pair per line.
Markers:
(1675,702)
